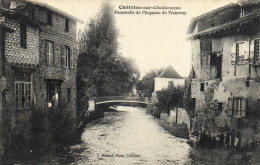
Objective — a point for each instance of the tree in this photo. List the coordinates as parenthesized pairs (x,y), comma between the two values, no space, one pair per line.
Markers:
(170,98)
(145,86)
(102,70)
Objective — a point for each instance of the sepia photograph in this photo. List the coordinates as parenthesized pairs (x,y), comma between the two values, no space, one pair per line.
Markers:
(125,82)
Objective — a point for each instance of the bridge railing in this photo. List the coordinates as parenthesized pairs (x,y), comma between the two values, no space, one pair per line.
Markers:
(111,98)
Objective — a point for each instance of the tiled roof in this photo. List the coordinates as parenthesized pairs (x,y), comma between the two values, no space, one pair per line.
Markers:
(248,2)
(238,22)
(170,72)
(194,20)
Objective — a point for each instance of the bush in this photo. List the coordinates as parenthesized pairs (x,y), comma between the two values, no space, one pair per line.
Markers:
(52,129)
(169,98)
(180,130)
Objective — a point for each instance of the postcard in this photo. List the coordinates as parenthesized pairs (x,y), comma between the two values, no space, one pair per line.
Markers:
(129,82)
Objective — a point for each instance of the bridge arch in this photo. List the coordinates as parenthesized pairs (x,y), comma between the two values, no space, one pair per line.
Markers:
(119,99)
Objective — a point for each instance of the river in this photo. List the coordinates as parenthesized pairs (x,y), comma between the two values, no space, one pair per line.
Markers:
(129,136)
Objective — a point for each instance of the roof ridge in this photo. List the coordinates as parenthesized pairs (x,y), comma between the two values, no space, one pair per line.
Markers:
(208,13)
(170,72)
(236,21)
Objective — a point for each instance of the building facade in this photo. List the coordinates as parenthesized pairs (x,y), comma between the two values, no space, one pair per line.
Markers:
(38,62)
(169,77)
(225,85)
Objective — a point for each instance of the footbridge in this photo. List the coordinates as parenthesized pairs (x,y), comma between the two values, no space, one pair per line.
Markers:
(120,99)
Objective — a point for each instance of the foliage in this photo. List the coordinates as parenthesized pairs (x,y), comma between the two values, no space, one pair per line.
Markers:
(47,130)
(170,98)
(145,86)
(187,101)
(83,90)
(52,129)
(100,64)
(6,131)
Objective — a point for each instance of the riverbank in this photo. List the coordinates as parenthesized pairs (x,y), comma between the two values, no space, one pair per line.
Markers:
(131,130)
(165,121)
(226,155)
(219,155)
(177,130)
(52,132)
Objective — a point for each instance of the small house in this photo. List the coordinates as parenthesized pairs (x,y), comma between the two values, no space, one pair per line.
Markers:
(169,77)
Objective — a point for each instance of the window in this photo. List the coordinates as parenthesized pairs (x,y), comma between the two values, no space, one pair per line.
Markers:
(68,95)
(23,90)
(245,11)
(53,93)
(242,12)
(67,58)
(49,52)
(49,18)
(205,51)
(170,84)
(213,57)
(202,87)
(239,52)
(193,103)
(257,51)
(67,25)
(23,35)
(220,107)
(238,106)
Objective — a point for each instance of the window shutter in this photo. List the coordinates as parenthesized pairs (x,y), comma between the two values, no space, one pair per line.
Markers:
(43,51)
(71,59)
(252,48)
(62,56)
(233,54)
(246,53)
(75,63)
(47,52)
(230,107)
(244,107)
(51,53)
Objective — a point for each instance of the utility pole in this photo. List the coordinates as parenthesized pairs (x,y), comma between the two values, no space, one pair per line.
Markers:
(176,115)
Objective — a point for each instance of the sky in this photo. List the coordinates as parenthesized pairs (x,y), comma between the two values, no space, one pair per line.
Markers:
(153,41)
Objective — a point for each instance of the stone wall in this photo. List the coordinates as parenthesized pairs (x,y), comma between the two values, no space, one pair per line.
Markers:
(17,58)
(183,117)
(56,33)
(237,81)
(17,122)
(14,53)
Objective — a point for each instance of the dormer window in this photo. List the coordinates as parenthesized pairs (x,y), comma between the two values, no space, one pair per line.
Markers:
(242,13)
(49,18)
(67,25)
(245,11)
